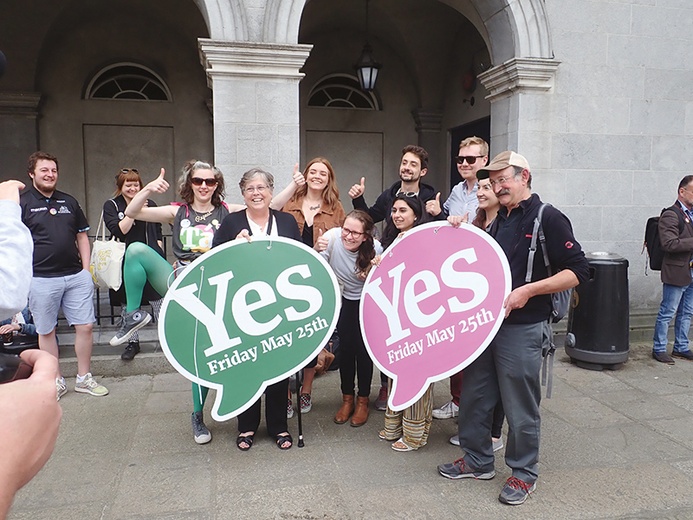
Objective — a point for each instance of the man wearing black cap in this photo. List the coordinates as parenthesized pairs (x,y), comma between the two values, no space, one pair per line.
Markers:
(509,368)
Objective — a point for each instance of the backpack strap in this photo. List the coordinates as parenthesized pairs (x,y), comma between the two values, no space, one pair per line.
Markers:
(537,232)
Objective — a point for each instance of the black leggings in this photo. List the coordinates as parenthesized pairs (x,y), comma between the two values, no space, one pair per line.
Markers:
(353,358)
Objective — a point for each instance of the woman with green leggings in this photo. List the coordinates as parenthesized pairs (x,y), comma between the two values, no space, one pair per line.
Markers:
(193,224)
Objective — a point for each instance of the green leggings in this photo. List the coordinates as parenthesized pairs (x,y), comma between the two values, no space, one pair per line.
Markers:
(142,263)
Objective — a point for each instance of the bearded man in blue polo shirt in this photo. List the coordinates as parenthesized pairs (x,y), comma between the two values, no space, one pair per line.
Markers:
(61,276)
(509,368)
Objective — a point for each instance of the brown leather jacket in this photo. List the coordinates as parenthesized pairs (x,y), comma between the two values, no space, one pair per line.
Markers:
(326,218)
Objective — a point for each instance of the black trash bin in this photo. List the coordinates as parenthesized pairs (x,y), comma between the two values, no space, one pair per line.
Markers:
(598,319)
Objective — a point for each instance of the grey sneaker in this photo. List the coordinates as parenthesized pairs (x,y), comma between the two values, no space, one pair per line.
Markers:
(455,440)
(447,411)
(459,469)
(289,409)
(91,387)
(131,322)
(497,444)
(60,387)
(516,491)
(200,431)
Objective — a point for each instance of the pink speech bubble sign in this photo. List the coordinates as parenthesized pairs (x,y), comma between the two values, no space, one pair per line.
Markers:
(433,305)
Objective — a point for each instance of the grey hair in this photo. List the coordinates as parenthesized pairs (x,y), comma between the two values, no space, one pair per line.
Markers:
(256,172)
(518,171)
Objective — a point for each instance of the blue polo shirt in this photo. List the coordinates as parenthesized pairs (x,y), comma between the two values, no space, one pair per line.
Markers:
(54,223)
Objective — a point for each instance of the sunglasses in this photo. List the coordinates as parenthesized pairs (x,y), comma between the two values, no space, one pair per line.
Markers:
(471,159)
(127,170)
(199,181)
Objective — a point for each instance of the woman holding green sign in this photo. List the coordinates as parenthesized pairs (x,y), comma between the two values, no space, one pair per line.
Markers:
(259,220)
(194,223)
(350,250)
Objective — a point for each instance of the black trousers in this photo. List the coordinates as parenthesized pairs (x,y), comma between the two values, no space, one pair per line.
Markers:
(275,411)
(354,360)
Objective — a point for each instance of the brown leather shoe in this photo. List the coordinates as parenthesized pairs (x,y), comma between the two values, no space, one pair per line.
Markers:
(345,410)
(361,413)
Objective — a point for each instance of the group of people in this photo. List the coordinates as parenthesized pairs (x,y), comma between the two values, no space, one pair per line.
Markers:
(495,197)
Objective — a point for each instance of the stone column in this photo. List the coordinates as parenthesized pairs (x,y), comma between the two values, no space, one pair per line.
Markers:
(18,132)
(428,123)
(255,107)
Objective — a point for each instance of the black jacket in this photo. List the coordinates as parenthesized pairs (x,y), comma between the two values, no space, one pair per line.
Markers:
(237,221)
(382,208)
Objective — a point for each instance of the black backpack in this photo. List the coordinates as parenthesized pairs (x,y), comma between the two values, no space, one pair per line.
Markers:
(652,243)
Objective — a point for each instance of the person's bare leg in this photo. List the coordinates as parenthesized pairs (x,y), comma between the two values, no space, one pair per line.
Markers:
(49,343)
(308,376)
(83,345)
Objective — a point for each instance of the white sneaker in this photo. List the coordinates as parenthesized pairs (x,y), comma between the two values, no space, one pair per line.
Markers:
(91,387)
(447,411)
(497,444)
(60,387)
(455,440)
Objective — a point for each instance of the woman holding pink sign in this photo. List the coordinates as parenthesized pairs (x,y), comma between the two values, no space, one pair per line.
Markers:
(349,250)
(410,427)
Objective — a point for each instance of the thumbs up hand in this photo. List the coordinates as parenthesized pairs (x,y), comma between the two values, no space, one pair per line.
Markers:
(158,185)
(322,242)
(358,189)
(433,206)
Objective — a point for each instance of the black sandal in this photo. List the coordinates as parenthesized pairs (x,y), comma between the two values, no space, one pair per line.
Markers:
(247,439)
(282,438)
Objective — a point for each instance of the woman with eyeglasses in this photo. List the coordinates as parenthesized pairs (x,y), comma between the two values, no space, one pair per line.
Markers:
(350,250)
(410,427)
(194,223)
(128,230)
(316,208)
(259,220)
(485,215)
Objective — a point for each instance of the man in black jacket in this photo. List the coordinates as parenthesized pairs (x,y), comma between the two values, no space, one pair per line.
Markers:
(509,368)
(413,166)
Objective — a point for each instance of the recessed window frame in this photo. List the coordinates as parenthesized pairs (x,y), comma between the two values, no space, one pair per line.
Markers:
(332,85)
(111,75)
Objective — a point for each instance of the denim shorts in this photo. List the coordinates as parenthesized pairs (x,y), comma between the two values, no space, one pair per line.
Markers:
(74,293)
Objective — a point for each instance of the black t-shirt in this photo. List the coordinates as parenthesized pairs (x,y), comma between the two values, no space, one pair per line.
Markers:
(54,223)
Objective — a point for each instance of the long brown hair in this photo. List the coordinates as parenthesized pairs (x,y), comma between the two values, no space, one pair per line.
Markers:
(366,251)
(330,194)
(186,190)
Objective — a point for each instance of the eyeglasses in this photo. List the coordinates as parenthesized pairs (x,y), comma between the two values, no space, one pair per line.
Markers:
(499,181)
(471,159)
(199,181)
(356,234)
(255,189)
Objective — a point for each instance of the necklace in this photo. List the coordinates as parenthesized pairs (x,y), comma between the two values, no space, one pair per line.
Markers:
(202,218)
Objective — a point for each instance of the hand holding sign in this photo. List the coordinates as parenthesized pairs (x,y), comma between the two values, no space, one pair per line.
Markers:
(246,315)
(433,305)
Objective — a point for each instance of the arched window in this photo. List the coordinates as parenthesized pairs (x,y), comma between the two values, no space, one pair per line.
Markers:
(342,91)
(128,81)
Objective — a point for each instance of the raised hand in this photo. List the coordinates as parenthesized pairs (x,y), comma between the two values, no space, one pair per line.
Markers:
(321,243)
(9,190)
(158,185)
(358,189)
(298,177)
(433,206)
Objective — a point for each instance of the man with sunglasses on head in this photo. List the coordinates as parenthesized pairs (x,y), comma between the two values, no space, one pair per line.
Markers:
(471,157)
(61,277)
(509,368)
(412,167)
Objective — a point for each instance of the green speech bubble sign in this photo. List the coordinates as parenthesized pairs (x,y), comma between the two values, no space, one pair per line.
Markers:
(246,315)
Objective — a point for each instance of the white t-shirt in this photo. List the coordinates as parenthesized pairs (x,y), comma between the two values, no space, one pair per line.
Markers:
(343,263)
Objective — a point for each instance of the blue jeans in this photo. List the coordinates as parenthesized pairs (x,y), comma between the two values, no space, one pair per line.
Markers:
(679,301)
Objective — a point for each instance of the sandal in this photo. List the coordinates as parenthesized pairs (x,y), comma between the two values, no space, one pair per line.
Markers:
(400,445)
(283,438)
(382,435)
(247,439)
